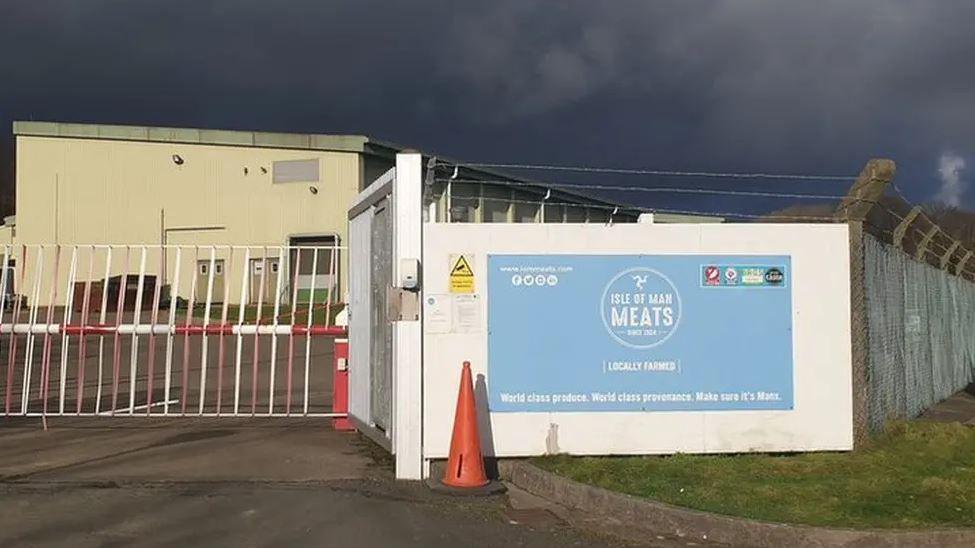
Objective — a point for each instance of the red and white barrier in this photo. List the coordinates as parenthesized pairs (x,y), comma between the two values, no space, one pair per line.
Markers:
(340,398)
(166,329)
(76,320)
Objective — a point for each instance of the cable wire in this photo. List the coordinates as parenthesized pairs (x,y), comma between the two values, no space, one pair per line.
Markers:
(661,172)
(656,210)
(677,190)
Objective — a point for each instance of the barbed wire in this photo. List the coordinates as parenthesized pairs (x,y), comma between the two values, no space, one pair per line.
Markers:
(697,212)
(932,246)
(624,209)
(924,235)
(675,190)
(910,227)
(660,172)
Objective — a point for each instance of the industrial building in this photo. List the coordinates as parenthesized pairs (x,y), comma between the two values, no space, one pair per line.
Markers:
(81,184)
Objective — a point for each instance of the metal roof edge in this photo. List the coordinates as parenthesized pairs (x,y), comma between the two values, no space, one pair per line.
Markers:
(538,186)
(259,139)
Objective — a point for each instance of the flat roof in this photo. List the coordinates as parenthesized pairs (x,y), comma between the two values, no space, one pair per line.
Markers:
(258,139)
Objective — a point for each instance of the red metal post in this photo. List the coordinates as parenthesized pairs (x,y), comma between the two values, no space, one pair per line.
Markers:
(340,385)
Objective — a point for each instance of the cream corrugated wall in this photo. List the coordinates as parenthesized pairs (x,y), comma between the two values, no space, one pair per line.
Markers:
(83,191)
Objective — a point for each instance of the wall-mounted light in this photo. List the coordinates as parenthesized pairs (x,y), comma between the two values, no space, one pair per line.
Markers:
(246,171)
(313,189)
(177,159)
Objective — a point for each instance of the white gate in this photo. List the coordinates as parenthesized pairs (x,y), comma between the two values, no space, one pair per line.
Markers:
(384,317)
(162,330)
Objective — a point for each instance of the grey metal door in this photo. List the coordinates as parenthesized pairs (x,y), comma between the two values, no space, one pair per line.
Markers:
(381,364)
(263,276)
(203,276)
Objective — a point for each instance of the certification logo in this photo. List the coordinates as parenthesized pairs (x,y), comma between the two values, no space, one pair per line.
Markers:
(641,308)
(743,276)
(712,275)
(774,276)
(731,275)
(753,276)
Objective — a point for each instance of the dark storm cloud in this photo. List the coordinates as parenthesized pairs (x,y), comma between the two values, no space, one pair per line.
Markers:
(737,85)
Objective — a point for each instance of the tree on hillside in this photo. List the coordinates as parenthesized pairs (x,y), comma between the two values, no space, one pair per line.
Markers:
(960,224)
(953,224)
(802,213)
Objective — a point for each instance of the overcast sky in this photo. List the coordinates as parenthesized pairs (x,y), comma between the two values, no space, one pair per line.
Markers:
(743,85)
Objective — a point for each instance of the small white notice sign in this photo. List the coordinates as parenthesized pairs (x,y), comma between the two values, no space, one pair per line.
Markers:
(437,313)
(467,314)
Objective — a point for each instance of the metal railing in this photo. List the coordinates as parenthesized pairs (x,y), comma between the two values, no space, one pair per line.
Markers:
(190,319)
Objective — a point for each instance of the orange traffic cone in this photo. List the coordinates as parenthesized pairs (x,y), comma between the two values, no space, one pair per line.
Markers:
(465,466)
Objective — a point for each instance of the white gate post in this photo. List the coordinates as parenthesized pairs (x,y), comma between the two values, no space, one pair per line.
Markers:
(407,376)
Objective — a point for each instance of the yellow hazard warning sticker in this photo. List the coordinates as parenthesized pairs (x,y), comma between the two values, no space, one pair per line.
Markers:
(461,274)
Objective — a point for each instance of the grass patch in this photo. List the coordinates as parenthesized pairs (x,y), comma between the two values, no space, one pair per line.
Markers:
(916,475)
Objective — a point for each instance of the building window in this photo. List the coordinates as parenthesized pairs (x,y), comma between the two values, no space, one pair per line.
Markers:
(525,207)
(324,265)
(553,213)
(464,202)
(296,171)
(575,214)
(325,247)
(496,201)
(599,215)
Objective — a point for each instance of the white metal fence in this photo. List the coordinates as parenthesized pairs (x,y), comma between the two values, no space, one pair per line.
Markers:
(149,330)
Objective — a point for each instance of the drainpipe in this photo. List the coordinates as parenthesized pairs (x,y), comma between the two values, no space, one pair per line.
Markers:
(541,209)
(450,201)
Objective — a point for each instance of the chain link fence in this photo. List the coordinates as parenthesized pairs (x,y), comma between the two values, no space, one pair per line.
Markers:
(921,333)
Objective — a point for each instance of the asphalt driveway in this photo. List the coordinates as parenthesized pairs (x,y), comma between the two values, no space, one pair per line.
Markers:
(243,482)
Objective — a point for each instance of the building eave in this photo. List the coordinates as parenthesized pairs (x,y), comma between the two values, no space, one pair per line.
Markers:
(257,139)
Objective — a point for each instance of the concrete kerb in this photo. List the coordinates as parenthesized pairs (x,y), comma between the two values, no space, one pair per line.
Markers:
(652,517)
(494,487)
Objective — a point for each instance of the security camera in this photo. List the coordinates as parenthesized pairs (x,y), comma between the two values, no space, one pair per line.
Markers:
(177,159)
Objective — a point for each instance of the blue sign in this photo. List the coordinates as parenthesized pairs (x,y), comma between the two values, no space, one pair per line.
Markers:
(639,333)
